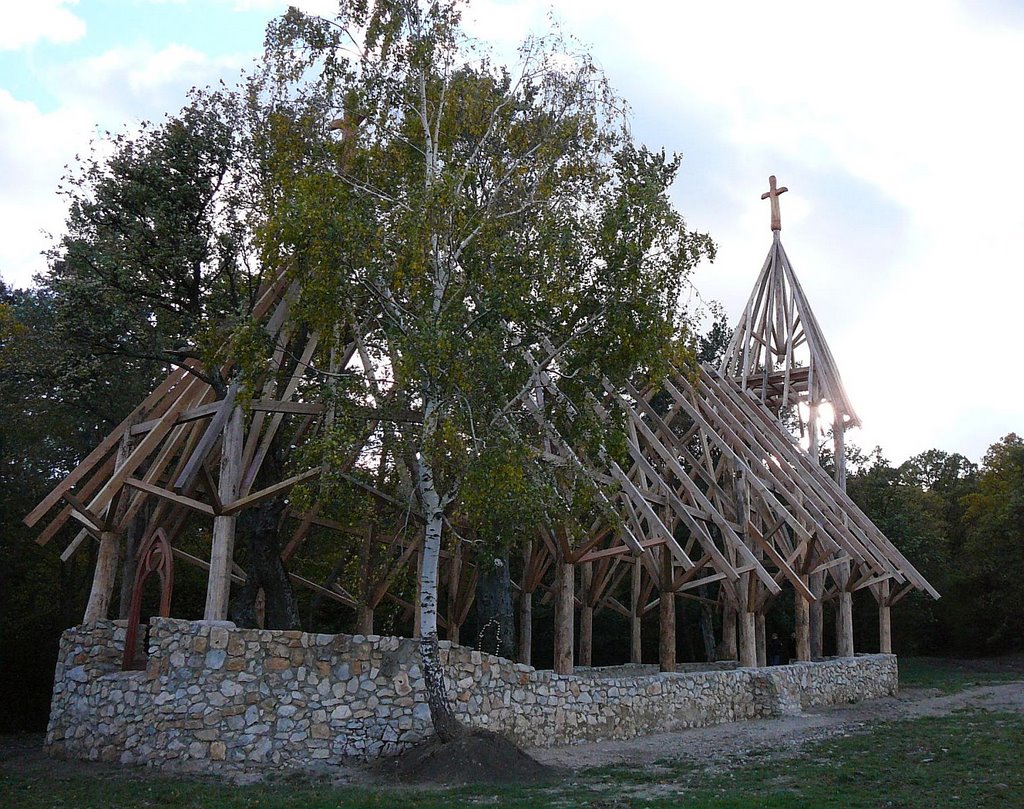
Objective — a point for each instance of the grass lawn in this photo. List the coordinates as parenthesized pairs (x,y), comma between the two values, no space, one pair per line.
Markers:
(969,759)
(951,676)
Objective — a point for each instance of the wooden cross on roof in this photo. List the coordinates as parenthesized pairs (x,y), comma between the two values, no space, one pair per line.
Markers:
(773,193)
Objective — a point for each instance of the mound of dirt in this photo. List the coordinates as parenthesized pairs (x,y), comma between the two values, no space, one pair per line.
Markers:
(475,757)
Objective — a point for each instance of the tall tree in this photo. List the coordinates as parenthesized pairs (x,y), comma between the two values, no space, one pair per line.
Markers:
(477,227)
(156,262)
(993,552)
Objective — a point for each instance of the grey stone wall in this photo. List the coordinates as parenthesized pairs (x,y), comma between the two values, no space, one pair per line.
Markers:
(214,695)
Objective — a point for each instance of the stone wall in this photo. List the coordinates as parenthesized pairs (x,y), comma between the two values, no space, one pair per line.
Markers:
(214,693)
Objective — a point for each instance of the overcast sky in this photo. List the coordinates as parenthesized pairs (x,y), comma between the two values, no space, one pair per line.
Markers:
(897,127)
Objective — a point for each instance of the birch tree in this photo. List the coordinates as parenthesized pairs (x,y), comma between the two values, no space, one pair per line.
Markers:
(475,226)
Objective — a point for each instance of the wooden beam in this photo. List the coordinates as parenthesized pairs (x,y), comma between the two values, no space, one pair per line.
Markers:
(270,491)
(177,499)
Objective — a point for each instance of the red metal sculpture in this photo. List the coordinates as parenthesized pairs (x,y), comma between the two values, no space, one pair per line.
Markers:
(154,557)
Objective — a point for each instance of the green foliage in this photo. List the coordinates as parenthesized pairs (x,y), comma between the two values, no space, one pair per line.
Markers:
(157,262)
(491,216)
(992,559)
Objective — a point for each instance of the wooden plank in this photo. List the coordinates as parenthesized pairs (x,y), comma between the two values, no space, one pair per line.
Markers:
(146,446)
(103,448)
(177,499)
(777,558)
(192,414)
(210,437)
(270,491)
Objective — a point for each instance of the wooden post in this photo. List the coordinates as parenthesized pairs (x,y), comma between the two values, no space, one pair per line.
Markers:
(748,642)
(816,616)
(563,663)
(454,582)
(586,615)
(884,619)
(844,609)
(839,450)
(667,615)
(760,640)
(103,579)
(801,616)
(844,614)
(106,559)
(218,589)
(364,620)
(816,581)
(729,649)
(526,628)
(635,607)
(526,609)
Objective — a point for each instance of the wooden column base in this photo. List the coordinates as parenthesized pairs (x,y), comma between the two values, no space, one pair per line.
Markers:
(563,663)
(103,579)
(884,620)
(801,615)
(729,649)
(761,640)
(586,635)
(525,628)
(748,640)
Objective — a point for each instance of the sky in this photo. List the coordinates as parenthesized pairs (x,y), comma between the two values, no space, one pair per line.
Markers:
(898,129)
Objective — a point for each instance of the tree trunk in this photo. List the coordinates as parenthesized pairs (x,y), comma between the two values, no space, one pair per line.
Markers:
(442,716)
(494,612)
(265,571)
(129,564)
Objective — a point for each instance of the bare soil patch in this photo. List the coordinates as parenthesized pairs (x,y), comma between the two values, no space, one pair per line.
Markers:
(475,757)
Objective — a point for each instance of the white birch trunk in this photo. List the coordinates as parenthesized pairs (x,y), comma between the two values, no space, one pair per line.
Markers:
(441,713)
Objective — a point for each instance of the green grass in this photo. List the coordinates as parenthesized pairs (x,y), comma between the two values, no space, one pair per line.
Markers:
(950,676)
(969,759)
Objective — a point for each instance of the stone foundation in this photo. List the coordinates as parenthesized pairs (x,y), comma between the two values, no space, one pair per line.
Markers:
(241,697)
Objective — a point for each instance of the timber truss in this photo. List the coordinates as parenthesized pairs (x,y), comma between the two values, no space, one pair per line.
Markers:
(717,502)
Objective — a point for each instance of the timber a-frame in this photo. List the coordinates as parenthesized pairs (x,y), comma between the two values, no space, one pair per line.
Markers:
(719,502)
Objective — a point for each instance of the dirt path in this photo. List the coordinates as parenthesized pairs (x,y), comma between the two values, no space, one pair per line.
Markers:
(726,746)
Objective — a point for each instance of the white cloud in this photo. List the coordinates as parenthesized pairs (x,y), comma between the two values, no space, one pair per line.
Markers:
(112,91)
(25,23)
(34,147)
(132,82)
(323,8)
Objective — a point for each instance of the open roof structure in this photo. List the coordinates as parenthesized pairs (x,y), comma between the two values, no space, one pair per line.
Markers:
(718,502)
